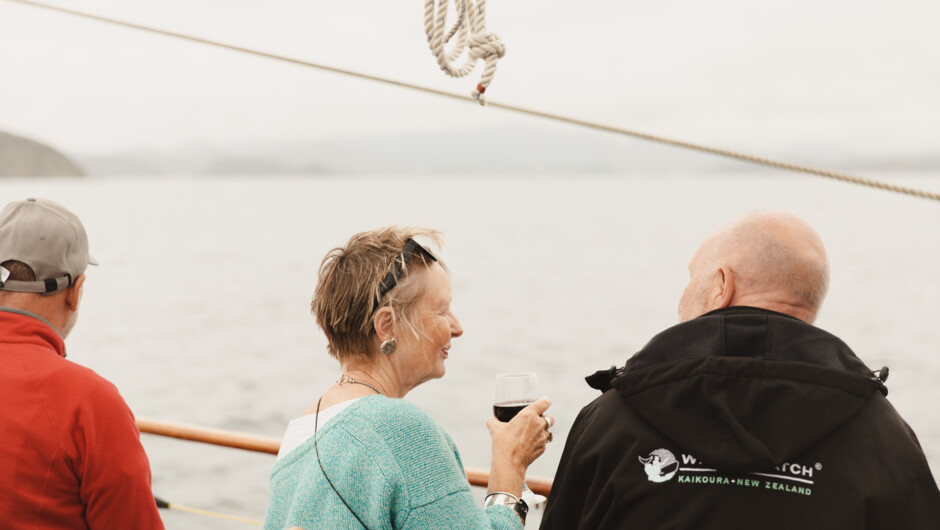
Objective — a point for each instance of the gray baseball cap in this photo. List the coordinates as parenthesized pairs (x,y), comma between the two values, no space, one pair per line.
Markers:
(46,237)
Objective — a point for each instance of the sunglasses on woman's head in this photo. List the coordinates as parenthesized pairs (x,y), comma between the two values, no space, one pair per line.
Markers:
(391,279)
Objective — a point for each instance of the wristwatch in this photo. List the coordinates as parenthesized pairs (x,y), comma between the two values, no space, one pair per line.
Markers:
(507,499)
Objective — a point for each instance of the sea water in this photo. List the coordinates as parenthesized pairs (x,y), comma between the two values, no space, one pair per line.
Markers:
(199,311)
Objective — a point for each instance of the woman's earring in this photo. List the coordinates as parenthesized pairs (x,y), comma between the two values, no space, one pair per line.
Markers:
(389,346)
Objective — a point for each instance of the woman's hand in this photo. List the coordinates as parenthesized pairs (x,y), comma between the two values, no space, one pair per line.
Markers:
(517,444)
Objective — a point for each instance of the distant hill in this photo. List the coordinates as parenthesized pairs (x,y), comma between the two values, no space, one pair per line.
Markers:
(198,159)
(21,157)
(474,152)
(543,150)
(256,166)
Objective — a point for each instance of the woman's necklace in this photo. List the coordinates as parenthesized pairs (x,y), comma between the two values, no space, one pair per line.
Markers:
(345,379)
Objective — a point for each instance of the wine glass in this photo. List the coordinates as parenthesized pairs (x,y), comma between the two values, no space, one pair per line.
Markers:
(515,392)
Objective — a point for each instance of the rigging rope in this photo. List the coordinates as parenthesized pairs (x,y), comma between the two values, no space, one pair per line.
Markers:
(470,30)
(843,177)
(207,513)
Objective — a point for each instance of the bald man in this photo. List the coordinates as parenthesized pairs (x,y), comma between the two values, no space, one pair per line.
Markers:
(745,415)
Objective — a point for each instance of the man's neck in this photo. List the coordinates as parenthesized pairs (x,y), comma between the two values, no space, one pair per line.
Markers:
(778,304)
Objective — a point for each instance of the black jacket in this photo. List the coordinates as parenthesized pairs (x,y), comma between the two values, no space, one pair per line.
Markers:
(742,418)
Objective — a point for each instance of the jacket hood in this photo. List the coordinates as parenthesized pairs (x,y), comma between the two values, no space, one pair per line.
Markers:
(760,386)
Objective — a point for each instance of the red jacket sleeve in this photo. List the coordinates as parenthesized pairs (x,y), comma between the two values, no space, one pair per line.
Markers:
(113,468)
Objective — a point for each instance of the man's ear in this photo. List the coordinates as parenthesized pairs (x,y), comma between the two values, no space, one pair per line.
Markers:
(724,292)
(384,323)
(73,295)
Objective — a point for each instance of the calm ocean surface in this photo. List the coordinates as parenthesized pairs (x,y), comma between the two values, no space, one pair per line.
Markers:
(199,310)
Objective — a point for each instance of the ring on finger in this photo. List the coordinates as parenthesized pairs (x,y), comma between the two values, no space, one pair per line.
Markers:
(549,421)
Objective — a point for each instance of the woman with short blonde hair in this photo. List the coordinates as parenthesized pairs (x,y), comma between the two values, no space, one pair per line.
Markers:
(363,457)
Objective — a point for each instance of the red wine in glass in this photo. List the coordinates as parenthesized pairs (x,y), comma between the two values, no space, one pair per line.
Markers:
(515,392)
(507,410)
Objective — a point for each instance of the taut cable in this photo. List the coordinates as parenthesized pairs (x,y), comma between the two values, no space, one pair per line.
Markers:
(207,513)
(844,177)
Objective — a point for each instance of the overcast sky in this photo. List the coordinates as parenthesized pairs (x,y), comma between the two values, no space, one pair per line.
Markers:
(852,75)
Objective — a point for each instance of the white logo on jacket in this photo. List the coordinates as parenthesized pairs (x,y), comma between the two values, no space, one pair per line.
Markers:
(660,466)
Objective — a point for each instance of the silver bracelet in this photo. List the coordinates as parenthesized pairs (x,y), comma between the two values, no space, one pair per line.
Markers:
(507,499)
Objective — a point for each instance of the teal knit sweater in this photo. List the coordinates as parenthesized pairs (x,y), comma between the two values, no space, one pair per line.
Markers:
(392,463)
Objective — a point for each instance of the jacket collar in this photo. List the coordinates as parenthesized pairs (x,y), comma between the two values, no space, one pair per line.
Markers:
(740,331)
(21,326)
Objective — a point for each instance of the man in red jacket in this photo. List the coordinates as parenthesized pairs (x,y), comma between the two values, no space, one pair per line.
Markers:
(70,452)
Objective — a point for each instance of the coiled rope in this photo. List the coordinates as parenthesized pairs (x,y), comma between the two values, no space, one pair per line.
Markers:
(844,177)
(470,29)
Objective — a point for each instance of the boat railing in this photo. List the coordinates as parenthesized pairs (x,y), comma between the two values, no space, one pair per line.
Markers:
(271,445)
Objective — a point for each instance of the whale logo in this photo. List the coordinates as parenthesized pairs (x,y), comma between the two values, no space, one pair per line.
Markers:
(660,466)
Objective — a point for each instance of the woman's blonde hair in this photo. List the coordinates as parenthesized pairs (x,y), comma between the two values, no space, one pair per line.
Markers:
(350,287)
